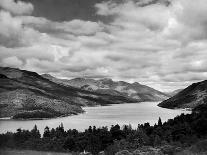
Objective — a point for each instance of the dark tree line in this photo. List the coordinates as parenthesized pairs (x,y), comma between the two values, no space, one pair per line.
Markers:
(183,130)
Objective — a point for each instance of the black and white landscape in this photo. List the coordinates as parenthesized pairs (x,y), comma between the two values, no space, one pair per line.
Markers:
(107,77)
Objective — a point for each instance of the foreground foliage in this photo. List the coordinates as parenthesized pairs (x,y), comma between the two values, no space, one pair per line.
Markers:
(182,131)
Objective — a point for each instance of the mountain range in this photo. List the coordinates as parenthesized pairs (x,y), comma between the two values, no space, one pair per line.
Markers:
(191,97)
(26,94)
(134,90)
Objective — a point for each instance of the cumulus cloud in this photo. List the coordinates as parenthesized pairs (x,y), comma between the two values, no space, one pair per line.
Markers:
(12,62)
(13,33)
(159,33)
(189,18)
(74,27)
(16,7)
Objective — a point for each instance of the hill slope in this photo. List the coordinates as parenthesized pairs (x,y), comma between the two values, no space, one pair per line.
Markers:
(192,96)
(25,94)
(173,93)
(135,90)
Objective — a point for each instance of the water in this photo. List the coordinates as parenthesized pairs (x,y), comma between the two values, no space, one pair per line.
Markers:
(133,113)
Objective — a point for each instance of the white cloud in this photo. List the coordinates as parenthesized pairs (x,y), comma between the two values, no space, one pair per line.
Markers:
(80,27)
(188,20)
(75,27)
(12,62)
(16,7)
(158,36)
(13,32)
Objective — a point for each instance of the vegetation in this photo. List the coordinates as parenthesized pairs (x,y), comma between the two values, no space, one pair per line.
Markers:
(35,115)
(190,97)
(183,131)
(26,92)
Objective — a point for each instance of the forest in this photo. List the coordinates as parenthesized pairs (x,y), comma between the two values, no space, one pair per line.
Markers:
(183,131)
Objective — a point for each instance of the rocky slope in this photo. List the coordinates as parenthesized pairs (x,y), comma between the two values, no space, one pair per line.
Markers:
(25,94)
(135,90)
(192,96)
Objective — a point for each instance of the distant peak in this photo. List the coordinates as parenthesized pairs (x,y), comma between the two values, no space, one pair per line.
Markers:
(123,82)
(47,75)
(136,83)
(106,79)
(82,79)
(79,79)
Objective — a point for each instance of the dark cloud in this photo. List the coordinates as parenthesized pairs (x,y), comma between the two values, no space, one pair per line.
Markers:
(66,10)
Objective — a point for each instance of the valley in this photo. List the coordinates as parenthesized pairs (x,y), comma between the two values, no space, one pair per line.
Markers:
(28,95)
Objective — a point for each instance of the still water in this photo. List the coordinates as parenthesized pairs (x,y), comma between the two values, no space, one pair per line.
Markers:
(133,113)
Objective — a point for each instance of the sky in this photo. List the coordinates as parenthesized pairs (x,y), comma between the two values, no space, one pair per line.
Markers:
(160,43)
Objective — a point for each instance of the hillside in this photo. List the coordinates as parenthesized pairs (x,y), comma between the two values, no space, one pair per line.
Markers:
(25,94)
(173,93)
(108,86)
(192,96)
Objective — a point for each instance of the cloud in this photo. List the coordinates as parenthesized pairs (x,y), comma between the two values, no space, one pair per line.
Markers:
(13,33)
(156,43)
(79,27)
(161,34)
(16,7)
(12,62)
(74,27)
(188,20)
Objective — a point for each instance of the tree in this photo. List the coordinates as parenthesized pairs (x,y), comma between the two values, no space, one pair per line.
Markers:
(116,132)
(46,132)
(90,129)
(159,122)
(35,132)
(94,144)
(94,129)
(60,132)
(69,144)
(157,140)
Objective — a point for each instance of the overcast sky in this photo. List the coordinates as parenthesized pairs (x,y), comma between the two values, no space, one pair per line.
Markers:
(155,42)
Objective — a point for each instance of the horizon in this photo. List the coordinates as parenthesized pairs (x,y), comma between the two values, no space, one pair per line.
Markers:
(116,80)
(158,43)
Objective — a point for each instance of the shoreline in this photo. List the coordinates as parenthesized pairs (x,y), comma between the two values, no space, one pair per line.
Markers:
(31,119)
(83,107)
(100,117)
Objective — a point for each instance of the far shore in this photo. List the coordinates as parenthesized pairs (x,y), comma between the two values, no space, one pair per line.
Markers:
(30,119)
(27,119)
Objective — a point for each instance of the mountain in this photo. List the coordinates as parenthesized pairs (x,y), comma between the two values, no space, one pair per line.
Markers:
(173,93)
(25,94)
(135,90)
(191,97)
